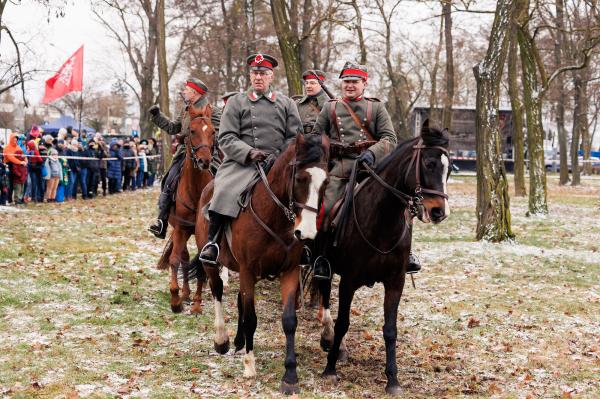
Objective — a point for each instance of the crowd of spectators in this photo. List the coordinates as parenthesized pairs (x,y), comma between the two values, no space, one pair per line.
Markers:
(42,168)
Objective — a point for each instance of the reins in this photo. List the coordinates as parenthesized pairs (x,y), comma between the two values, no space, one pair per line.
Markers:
(412,203)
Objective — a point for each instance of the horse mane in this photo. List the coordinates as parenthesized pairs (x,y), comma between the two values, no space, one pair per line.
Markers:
(313,150)
(431,136)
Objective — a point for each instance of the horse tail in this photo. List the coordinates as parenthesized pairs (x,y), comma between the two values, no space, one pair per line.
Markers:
(163,262)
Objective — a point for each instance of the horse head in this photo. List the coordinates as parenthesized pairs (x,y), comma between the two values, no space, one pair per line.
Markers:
(309,180)
(202,136)
(432,169)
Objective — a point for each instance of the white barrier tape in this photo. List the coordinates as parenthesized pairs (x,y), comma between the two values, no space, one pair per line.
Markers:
(526,160)
(86,158)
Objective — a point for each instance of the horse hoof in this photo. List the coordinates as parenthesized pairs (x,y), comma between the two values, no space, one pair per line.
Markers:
(196,308)
(393,390)
(289,389)
(330,378)
(326,344)
(222,348)
(343,356)
(177,308)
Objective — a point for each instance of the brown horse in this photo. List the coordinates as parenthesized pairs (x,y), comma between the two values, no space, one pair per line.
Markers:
(374,241)
(266,243)
(195,175)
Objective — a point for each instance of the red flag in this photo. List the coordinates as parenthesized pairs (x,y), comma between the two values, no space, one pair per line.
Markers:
(68,78)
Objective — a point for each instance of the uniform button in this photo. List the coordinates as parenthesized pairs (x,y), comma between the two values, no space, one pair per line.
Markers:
(343,135)
(341,129)
(254,127)
(253,116)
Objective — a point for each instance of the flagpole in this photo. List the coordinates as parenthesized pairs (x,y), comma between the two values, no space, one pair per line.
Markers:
(80,111)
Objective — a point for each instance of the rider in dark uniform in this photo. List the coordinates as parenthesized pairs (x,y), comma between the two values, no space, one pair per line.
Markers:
(360,128)
(193,93)
(255,124)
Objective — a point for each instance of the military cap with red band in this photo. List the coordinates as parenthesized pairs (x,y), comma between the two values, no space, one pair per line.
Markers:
(310,74)
(353,71)
(197,85)
(262,62)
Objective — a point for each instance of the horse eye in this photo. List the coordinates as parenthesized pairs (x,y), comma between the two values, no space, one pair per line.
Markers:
(430,165)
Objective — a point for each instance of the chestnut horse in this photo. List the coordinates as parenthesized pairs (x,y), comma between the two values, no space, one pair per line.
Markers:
(373,242)
(266,243)
(195,175)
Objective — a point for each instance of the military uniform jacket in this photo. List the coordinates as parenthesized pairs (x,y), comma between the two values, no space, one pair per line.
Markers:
(309,108)
(266,122)
(181,124)
(348,132)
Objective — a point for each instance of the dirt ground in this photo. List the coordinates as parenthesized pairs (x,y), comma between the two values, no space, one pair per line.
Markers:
(85,313)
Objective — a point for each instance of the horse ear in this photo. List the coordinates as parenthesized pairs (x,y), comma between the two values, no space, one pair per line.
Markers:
(425,125)
(300,139)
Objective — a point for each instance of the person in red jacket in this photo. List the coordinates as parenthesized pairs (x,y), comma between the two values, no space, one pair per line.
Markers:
(17,167)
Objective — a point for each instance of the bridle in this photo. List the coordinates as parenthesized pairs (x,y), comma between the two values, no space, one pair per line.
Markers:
(196,161)
(412,202)
(288,210)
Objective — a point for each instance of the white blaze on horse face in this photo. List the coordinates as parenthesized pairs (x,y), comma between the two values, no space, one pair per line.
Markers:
(204,127)
(308,219)
(221,335)
(249,365)
(446,163)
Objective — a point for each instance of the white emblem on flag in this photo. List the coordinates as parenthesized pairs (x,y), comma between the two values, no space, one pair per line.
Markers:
(66,72)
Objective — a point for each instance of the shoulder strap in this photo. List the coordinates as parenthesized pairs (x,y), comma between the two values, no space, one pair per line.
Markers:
(369,113)
(357,121)
(333,117)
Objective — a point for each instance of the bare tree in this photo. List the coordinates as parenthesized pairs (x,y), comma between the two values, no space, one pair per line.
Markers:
(449,96)
(517,114)
(493,203)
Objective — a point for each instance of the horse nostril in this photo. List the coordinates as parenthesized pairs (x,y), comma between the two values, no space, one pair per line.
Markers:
(298,234)
(437,213)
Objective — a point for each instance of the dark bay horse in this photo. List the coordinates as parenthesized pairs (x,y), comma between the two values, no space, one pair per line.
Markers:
(374,243)
(195,175)
(266,243)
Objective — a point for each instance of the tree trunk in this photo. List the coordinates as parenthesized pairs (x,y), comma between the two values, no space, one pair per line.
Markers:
(227,20)
(586,143)
(433,99)
(493,203)
(359,32)
(289,46)
(559,47)
(577,128)
(449,98)
(517,115)
(538,204)
(163,81)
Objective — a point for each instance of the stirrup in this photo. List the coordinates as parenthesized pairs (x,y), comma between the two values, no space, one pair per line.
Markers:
(159,230)
(319,259)
(305,257)
(205,248)
(415,262)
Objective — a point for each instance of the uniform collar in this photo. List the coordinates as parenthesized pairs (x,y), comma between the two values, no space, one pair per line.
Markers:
(349,100)
(269,95)
(321,98)
(201,102)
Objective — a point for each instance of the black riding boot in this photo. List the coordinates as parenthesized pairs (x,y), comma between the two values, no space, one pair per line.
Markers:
(413,264)
(159,228)
(210,252)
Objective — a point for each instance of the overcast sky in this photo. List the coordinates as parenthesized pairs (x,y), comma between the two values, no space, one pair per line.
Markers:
(53,40)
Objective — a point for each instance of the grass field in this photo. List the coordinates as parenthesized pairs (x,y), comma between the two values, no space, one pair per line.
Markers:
(84,312)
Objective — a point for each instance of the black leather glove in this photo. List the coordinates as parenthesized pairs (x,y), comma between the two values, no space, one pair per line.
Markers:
(257,155)
(154,110)
(367,157)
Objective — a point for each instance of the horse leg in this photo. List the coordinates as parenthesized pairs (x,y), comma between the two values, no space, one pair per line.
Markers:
(247,283)
(197,303)
(393,292)
(240,339)
(342,323)
(289,289)
(175,261)
(225,276)
(326,320)
(185,261)
(221,342)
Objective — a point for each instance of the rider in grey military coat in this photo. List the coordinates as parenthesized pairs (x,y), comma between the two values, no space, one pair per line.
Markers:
(255,124)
